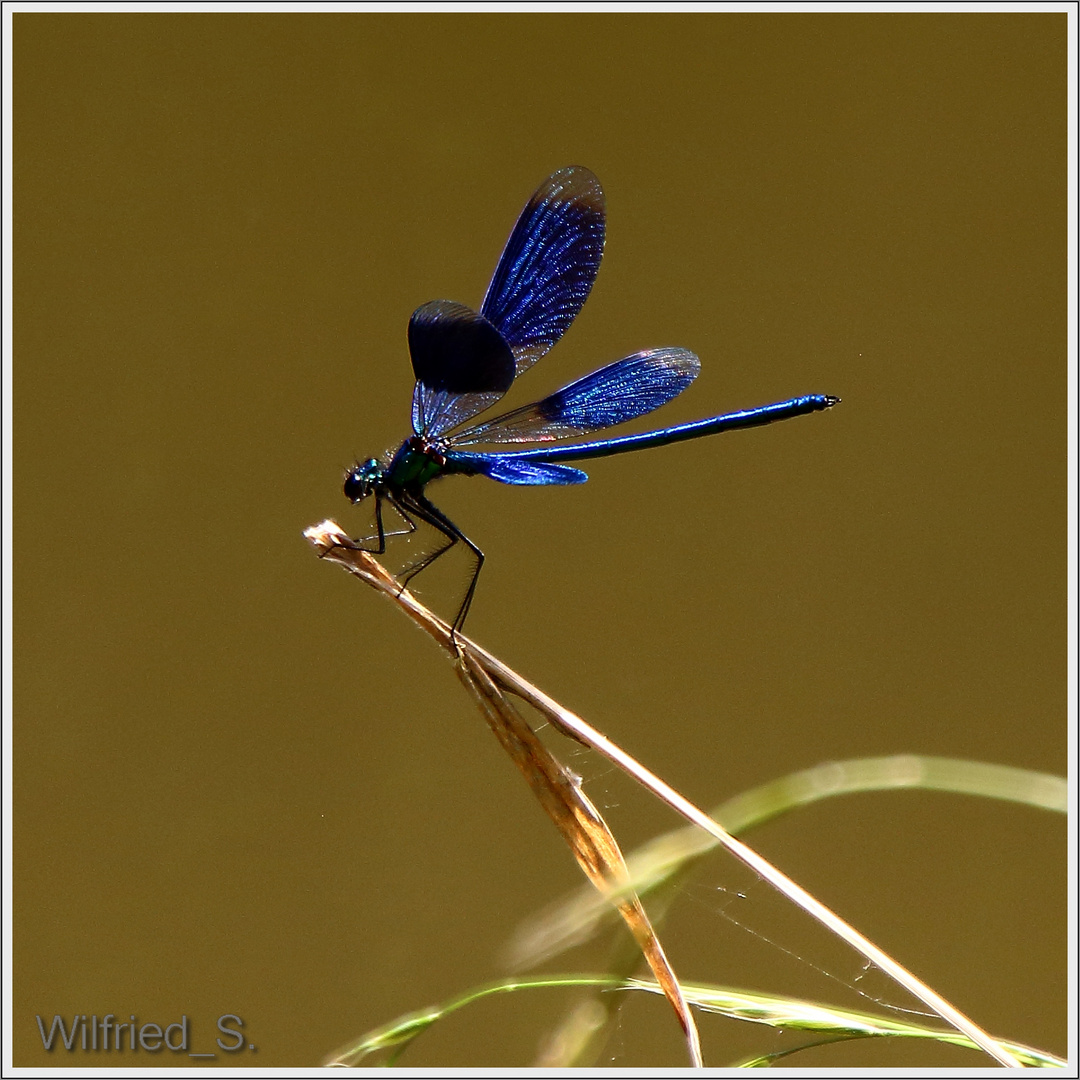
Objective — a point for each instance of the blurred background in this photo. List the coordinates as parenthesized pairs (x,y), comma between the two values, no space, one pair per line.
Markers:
(245,784)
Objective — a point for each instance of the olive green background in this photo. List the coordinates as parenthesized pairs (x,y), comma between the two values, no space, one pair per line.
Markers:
(245,784)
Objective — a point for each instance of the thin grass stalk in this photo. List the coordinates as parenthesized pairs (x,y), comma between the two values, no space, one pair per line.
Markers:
(335,545)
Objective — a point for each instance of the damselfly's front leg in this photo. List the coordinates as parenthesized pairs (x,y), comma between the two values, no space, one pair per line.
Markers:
(381,534)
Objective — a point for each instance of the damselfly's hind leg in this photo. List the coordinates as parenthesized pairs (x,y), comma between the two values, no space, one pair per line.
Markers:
(426,511)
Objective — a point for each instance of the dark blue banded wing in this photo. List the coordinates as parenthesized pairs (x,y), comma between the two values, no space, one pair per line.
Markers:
(630,387)
(461,362)
(549,264)
(517,472)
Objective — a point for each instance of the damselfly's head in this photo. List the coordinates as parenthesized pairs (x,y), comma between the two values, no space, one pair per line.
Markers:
(362,479)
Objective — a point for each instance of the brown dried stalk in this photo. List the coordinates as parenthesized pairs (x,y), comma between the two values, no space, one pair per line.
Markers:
(489,681)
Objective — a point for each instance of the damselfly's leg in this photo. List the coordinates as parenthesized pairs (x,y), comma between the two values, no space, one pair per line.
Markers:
(381,534)
(426,511)
(409,572)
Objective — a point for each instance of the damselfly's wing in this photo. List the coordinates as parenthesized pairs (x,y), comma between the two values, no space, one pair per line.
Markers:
(464,361)
(461,362)
(508,470)
(549,264)
(630,387)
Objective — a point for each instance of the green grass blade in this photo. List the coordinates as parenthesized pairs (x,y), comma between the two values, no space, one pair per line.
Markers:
(774,1011)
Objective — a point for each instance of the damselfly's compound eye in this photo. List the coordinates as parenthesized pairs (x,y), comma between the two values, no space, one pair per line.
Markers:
(361,481)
